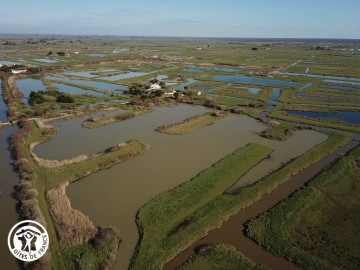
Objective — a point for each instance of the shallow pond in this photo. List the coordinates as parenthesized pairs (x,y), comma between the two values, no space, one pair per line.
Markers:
(346,116)
(202,68)
(252,80)
(98,85)
(320,76)
(340,87)
(78,91)
(181,86)
(275,93)
(124,76)
(342,82)
(28,85)
(96,54)
(171,160)
(44,60)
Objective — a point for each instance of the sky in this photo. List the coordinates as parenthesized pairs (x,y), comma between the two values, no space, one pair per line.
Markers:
(184,18)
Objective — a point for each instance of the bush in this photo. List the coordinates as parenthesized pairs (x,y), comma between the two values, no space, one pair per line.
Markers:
(64,99)
(36,97)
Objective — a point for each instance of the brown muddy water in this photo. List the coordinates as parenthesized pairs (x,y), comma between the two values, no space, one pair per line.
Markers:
(8,215)
(113,196)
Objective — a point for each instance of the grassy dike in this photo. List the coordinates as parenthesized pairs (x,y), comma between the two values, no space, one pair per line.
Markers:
(174,212)
(175,219)
(48,178)
(191,124)
(95,122)
(318,227)
(221,257)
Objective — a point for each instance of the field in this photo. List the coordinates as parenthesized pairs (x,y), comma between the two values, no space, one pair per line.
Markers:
(317,228)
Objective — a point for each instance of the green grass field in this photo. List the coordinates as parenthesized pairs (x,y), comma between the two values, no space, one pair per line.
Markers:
(221,257)
(191,124)
(318,227)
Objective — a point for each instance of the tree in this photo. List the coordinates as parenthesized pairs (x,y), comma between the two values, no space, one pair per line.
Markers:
(50,53)
(64,99)
(36,97)
(162,84)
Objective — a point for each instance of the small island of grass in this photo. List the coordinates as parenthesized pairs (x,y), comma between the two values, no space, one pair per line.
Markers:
(95,122)
(277,131)
(192,123)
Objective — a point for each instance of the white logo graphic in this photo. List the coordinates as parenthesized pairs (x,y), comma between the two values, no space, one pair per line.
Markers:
(28,240)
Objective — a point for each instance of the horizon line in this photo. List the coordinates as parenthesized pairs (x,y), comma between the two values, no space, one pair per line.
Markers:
(192,37)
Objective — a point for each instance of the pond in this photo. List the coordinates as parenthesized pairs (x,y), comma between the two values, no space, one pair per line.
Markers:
(182,86)
(275,93)
(346,116)
(96,54)
(99,85)
(252,80)
(28,85)
(44,60)
(202,68)
(170,161)
(78,91)
(320,76)
(127,75)
(340,87)
(342,82)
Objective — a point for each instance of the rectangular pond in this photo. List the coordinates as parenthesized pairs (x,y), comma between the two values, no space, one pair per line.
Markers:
(78,91)
(94,84)
(346,116)
(342,82)
(123,76)
(340,87)
(252,80)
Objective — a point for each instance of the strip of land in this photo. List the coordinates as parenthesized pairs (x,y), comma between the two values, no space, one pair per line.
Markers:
(261,196)
(95,122)
(166,218)
(192,123)
(317,228)
(220,257)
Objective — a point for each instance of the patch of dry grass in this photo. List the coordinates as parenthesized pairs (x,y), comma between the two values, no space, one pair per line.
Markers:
(72,226)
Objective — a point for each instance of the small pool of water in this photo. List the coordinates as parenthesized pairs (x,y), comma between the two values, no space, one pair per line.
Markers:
(202,68)
(346,116)
(320,76)
(96,54)
(275,94)
(340,87)
(44,60)
(252,80)
(181,86)
(342,82)
(124,76)
(99,85)
(28,85)
(78,91)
